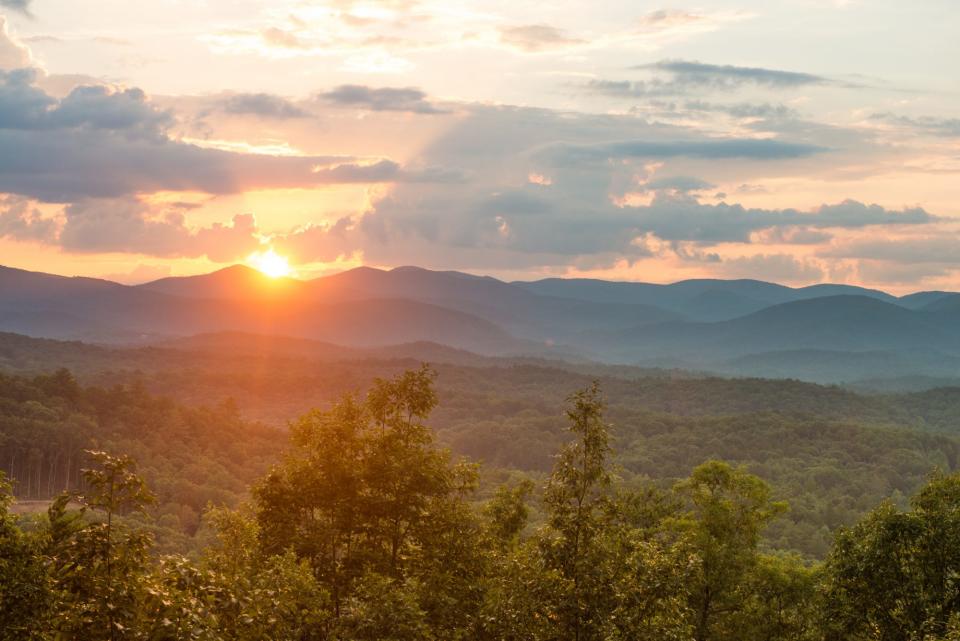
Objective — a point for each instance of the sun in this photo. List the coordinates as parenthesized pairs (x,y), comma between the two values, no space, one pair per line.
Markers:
(270,263)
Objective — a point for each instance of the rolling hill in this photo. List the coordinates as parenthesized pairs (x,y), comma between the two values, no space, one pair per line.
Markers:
(827,333)
(836,323)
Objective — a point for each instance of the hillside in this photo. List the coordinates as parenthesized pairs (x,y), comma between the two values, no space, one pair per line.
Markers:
(842,323)
(504,413)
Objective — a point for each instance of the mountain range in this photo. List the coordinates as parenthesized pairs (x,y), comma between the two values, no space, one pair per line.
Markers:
(826,333)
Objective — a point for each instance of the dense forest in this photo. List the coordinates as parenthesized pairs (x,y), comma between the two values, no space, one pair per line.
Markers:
(204,422)
(191,457)
(367,529)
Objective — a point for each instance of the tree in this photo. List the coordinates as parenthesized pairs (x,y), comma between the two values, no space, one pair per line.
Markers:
(896,575)
(575,498)
(25,596)
(728,509)
(366,492)
(507,512)
(780,600)
(99,564)
(254,595)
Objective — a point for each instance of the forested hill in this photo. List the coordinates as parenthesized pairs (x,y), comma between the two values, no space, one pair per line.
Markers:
(366,530)
(192,456)
(831,452)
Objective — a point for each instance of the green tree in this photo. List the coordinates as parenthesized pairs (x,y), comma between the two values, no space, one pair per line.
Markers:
(780,601)
(99,564)
(575,499)
(366,492)
(896,575)
(383,608)
(25,596)
(507,512)
(728,508)
(257,595)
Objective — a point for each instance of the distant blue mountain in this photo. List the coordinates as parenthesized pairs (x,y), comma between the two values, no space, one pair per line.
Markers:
(736,326)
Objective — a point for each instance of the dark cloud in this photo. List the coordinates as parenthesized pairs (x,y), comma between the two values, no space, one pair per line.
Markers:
(945,127)
(683,218)
(24,106)
(743,109)
(533,223)
(631,88)
(562,154)
(264,105)
(23,6)
(54,167)
(708,76)
(584,202)
(407,99)
(536,37)
(100,108)
(682,184)
(97,142)
(683,77)
(791,236)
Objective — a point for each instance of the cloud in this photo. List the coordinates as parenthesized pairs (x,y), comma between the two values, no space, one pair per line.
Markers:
(23,6)
(102,108)
(531,222)
(900,273)
(945,127)
(580,207)
(774,267)
(743,110)
(104,143)
(283,38)
(264,105)
(682,218)
(942,248)
(56,168)
(407,99)
(669,19)
(316,242)
(21,220)
(130,225)
(533,38)
(563,154)
(711,76)
(683,77)
(682,184)
(13,54)
(790,236)
(24,106)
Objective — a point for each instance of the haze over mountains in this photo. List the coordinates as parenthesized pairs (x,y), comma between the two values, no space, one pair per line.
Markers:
(827,333)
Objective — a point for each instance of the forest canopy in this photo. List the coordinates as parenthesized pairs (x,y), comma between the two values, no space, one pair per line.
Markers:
(366,528)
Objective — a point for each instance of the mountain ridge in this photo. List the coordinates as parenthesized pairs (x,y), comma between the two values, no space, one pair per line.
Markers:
(738,326)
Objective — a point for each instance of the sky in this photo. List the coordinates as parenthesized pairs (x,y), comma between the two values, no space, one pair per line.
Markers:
(797,141)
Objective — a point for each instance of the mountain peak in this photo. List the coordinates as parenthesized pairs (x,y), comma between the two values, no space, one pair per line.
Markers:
(233,282)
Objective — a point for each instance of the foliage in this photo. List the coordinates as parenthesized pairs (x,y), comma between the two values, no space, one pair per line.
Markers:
(367,529)
(896,574)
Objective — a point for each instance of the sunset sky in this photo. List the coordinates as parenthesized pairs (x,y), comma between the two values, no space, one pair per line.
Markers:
(798,141)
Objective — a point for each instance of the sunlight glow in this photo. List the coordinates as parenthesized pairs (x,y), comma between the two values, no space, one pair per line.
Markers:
(270,263)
